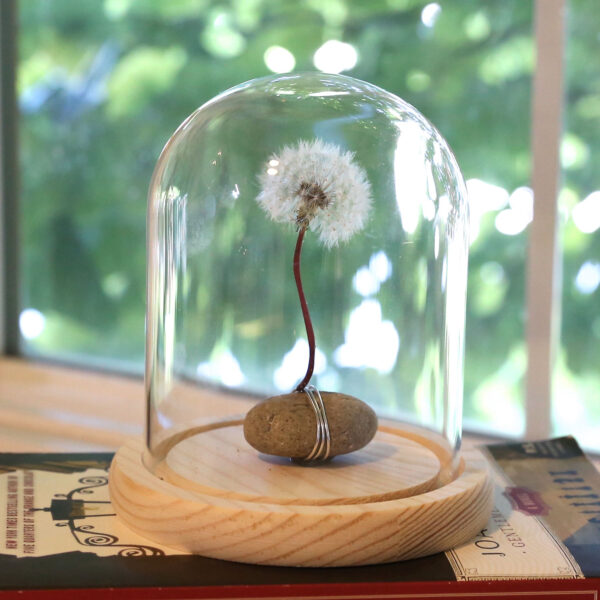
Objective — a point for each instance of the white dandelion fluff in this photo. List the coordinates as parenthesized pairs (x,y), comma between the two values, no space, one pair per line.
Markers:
(318,186)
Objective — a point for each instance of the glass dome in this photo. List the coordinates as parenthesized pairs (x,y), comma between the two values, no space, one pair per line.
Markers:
(383,267)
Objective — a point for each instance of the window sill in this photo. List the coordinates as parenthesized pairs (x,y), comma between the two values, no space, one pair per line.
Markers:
(47,408)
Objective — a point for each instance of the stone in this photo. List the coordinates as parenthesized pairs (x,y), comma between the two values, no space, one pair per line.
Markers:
(286,425)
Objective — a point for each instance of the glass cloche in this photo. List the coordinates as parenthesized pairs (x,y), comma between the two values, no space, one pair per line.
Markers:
(307,242)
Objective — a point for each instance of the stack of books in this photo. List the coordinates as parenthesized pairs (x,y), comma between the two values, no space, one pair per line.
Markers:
(59,538)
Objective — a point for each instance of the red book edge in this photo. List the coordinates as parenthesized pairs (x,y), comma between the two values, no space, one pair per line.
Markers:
(517,589)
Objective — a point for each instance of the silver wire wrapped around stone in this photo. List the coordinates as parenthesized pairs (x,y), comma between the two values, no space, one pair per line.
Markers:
(322,445)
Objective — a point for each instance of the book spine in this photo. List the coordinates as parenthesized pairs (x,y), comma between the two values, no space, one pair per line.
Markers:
(559,589)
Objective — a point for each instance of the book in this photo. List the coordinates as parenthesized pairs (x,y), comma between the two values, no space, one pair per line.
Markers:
(60,538)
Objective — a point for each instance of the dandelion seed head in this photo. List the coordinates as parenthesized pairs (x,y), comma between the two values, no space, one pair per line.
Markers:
(316,185)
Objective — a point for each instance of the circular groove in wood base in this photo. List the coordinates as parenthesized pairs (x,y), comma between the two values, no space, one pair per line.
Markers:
(287,534)
(219,462)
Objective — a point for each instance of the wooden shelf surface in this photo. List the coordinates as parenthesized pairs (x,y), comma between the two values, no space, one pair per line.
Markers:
(49,408)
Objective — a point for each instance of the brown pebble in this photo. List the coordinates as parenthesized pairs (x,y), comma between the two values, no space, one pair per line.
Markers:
(286,425)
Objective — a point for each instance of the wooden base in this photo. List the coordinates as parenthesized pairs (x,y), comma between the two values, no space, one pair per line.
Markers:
(214,495)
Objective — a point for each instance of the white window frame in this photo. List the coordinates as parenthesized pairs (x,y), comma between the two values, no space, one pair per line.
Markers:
(543,262)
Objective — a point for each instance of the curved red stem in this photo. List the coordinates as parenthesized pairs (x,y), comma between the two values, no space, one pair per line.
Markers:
(310,334)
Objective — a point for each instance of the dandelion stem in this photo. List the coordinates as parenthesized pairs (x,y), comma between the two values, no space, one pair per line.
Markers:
(310,334)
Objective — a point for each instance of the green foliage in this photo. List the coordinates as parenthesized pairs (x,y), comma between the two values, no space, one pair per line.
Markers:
(104,84)
(142,75)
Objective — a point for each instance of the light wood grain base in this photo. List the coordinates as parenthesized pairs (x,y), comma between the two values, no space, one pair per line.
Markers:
(241,507)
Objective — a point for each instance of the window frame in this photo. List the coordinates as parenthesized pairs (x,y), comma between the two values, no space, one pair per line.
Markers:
(543,261)
(9,182)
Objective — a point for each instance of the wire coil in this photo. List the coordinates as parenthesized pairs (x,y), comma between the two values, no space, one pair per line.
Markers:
(322,446)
